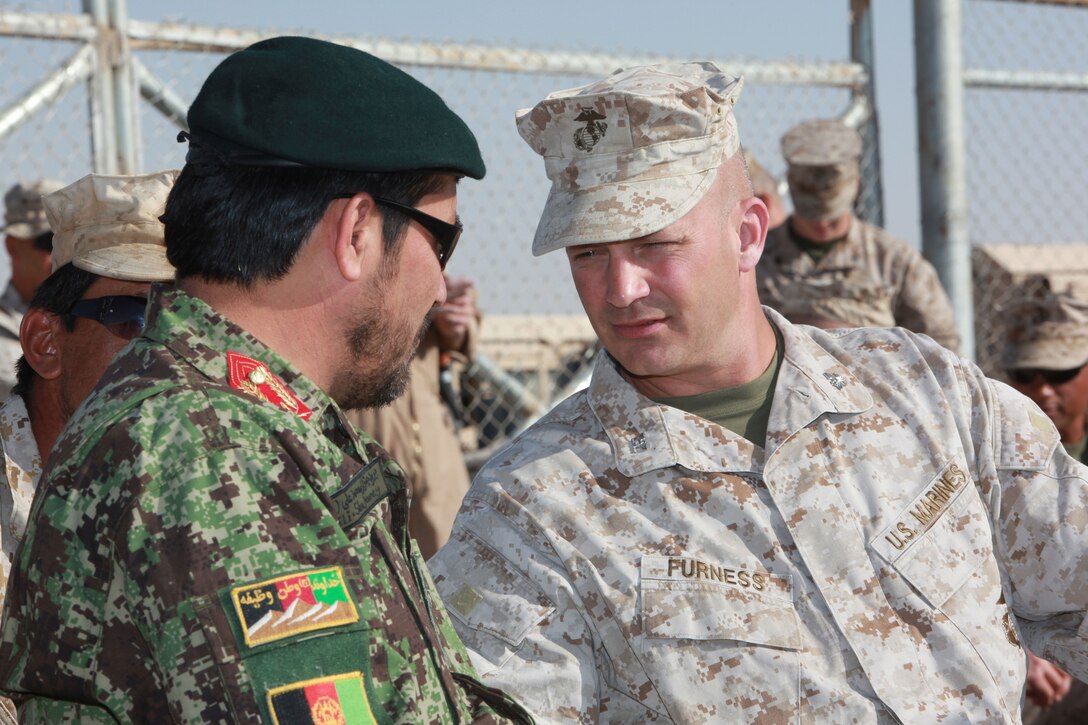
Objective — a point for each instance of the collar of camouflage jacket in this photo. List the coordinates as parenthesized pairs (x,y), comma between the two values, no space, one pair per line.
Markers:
(647,436)
(202,337)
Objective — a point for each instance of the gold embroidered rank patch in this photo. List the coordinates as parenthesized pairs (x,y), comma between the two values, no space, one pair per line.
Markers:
(288,605)
(337,699)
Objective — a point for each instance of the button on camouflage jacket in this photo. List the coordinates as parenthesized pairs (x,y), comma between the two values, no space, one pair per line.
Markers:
(199,554)
(907,525)
(868,257)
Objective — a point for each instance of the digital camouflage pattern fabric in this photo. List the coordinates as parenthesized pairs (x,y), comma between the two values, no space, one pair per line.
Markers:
(906,528)
(12,308)
(870,258)
(197,551)
(22,470)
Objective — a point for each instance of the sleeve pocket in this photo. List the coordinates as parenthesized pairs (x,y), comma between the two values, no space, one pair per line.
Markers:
(493,605)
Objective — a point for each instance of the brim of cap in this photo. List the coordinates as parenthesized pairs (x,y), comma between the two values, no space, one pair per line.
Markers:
(617,212)
(1046,357)
(135,262)
(22,230)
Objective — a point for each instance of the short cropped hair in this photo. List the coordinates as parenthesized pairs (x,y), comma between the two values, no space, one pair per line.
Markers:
(244,224)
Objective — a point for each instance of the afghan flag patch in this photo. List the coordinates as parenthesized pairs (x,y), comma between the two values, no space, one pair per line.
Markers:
(290,605)
(322,701)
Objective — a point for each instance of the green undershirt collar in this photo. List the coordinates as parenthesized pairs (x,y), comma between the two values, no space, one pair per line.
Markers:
(744,409)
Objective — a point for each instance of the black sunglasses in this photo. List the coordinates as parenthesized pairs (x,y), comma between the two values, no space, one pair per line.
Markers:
(123,315)
(444,233)
(1025,376)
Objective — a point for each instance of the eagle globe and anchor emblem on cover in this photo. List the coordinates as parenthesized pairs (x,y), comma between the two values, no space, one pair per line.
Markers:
(586,138)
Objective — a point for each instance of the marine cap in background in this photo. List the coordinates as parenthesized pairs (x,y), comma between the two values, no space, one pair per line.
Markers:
(630,154)
(109,225)
(24,216)
(293,101)
(1048,333)
(823,168)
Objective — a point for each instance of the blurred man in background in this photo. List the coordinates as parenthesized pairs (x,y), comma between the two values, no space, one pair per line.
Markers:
(107,249)
(29,242)
(1045,356)
(824,241)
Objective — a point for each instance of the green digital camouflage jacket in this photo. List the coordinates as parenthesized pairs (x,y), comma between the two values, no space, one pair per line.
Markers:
(906,525)
(202,551)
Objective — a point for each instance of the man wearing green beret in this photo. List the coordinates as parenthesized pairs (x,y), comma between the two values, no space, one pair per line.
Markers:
(212,541)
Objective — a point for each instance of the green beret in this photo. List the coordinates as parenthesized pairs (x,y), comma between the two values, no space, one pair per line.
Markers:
(301,101)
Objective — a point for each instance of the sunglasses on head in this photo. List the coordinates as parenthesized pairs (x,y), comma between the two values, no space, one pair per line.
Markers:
(444,233)
(123,315)
(1025,376)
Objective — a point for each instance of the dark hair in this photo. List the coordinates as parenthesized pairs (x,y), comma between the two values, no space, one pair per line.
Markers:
(242,224)
(56,294)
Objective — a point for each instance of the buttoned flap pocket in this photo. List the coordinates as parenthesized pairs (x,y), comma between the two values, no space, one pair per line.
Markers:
(941,538)
(689,598)
(493,605)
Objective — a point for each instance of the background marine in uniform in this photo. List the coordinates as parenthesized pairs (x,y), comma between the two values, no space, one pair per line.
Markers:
(822,242)
(107,247)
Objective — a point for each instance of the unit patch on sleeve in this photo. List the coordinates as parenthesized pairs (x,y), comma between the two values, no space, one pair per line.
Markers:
(322,701)
(289,605)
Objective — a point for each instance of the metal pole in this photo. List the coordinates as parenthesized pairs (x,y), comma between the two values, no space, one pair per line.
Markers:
(100,93)
(124,92)
(942,154)
(159,96)
(870,202)
(77,68)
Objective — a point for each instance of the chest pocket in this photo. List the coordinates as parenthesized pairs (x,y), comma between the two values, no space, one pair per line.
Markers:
(736,626)
(941,538)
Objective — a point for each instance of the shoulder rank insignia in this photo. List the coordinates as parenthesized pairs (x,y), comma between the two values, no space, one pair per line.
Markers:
(253,377)
(322,701)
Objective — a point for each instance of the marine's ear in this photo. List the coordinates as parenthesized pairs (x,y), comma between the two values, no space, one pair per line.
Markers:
(39,335)
(752,230)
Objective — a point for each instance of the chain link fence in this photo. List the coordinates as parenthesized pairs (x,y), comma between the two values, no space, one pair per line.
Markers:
(1025,108)
(536,344)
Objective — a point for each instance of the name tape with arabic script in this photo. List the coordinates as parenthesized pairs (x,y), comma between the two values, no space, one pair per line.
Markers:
(288,605)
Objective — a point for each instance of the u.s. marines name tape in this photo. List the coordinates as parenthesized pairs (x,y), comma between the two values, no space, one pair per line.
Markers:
(922,512)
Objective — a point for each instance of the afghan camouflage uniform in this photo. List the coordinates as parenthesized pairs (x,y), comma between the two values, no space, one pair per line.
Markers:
(12,308)
(868,257)
(22,470)
(198,554)
(625,562)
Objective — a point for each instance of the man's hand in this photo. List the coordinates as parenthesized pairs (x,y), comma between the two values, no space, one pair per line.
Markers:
(453,319)
(1047,683)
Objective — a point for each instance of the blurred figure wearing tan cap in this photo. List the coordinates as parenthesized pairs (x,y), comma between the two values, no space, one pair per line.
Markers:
(1046,358)
(29,242)
(823,241)
(107,249)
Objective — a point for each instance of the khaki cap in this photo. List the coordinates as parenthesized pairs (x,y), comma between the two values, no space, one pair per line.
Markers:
(24,216)
(823,168)
(109,225)
(630,154)
(1050,333)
